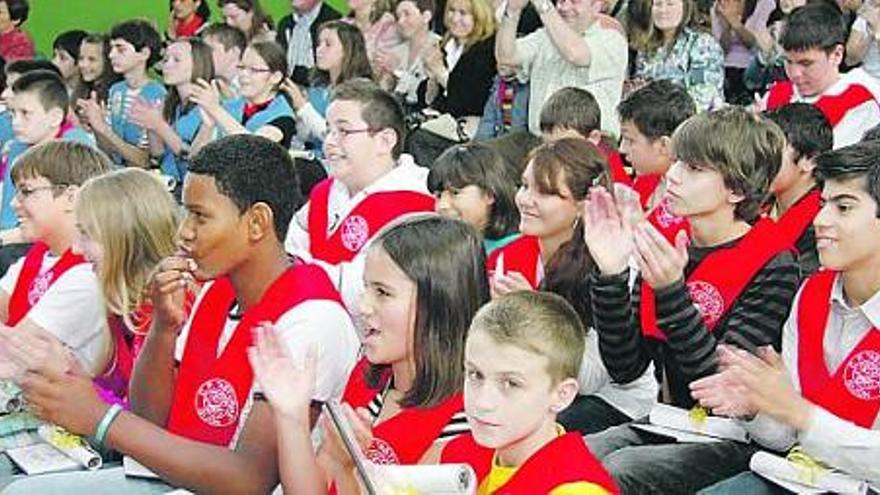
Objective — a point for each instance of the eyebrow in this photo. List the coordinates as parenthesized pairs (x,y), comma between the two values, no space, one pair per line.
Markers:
(840,197)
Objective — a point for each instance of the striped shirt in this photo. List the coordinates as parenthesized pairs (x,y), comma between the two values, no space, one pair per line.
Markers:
(456,426)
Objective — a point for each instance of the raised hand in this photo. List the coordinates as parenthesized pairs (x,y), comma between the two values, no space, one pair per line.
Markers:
(507,282)
(206,94)
(288,384)
(608,236)
(168,286)
(661,264)
(294,92)
(92,112)
(147,115)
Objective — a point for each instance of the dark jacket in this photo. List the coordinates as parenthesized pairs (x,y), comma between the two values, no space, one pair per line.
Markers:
(300,74)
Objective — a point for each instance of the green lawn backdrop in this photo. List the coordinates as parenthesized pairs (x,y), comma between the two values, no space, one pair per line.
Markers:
(50,17)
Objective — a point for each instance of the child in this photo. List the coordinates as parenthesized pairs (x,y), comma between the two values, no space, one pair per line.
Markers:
(372,184)
(574,112)
(822,392)
(473,183)
(52,290)
(733,283)
(15,43)
(195,408)
(39,108)
(174,126)
(648,117)
(96,71)
(134,48)
(227,44)
(188,18)
(795,196)
(521,361)
(11,72)
(425,280)
(65,56)
(813,40)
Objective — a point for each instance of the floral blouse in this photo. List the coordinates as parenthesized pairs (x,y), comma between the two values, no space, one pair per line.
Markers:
(695,61)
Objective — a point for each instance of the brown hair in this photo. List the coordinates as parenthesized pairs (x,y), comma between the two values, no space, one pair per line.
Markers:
(202,68)
(355,62)
(379,108)
(261,19)
(62,163)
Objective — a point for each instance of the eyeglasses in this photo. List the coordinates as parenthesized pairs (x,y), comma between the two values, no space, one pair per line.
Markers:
(26,192)
(343,133)
(253,70)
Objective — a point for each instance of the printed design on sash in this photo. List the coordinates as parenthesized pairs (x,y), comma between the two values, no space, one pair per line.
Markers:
(381,452)
(39,287)
(665,217)
(862,375)
(707,299)
(216,403)
(355,232)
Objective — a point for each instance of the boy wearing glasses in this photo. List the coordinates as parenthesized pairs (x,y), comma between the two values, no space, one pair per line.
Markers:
(371,185)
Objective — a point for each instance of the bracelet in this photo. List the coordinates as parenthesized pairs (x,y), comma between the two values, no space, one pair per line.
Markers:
(106,421)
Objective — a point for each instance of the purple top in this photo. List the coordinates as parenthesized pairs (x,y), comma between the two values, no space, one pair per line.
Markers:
(737,54)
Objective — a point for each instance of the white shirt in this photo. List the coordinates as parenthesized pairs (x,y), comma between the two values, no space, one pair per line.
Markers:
(871,60)
(322,323)
(831,439)
(72,309)
(348,277)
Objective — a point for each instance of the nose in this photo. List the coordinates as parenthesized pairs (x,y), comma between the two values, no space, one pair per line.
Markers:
(479,398)
(365,304)
(185,233)
(822,219)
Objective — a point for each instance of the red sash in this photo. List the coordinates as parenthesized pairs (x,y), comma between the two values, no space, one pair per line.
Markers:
(615,165)
(792,224)
(720,278)
(32,285)
(211,390)
(404,438)
(368,217)
(661,217)
(521,255)
(852,392)
(564,460)
(835,107)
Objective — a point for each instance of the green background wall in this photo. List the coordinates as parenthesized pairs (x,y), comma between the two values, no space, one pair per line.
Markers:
(50,17)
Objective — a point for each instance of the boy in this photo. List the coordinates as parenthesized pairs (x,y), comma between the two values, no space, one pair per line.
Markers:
(530,342)
(733,282)
(196,420)
(573,112)
(823,393)
(795,196)
(39,106)
(134,48)
(372,185)
(813,42)
(227,44)
(648,117)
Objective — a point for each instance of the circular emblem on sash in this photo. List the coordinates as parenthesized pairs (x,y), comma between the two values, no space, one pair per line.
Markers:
(862,375)
(665,217)
(216,403)
(381,452)
(355,231)
(707,299)
(39,287)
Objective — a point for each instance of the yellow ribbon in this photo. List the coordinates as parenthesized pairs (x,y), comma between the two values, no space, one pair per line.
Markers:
(809,469)
(63,439)
(698,416)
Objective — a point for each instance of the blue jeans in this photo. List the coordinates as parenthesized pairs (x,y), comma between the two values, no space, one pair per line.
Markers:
(645,463)
(492,122)
(748,482)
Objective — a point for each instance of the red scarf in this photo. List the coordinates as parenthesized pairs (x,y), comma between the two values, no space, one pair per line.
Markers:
(522,255)
(187,29)
(851,392)
(32,285)
(792,224)
(661,217)
(375,211)
(251,109)
(211,390)
(835,107)
(564,460)
(716,283)
(615,164)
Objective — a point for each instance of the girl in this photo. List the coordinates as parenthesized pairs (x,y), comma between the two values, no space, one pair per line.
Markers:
(734,23)
(187,18)
(670,49)
(173,127)
(375,19)
(472,183)
(260,109)
(249,17)
(552,256)
(126,223)
(424,282)
(65,56)
(94,68)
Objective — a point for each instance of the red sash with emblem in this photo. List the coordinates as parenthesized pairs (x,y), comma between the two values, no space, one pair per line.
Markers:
(32,285)
(211,390)
(368,217)
(564,460)
(835,107)
(852,392)
(615,164)
(791,225)
(720,278)
(661,217)
(522,255)
(404,438)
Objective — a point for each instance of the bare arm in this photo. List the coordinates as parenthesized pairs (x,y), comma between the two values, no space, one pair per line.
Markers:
(571,45)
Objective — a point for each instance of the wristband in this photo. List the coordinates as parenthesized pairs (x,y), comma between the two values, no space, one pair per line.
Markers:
(106,421)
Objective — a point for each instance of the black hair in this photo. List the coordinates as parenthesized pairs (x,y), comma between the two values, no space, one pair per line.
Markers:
(227,35)
(70,41)
(141,34)
(251,169)
(47,85)
(872,134)
(806,128)
(657,108)
(18,10)
(860,160)
(203,10)
(815,25)
(23,66)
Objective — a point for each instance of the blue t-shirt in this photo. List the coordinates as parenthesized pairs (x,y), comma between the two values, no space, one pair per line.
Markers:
(119,101)
(6,134)
(11,151)
(186,126)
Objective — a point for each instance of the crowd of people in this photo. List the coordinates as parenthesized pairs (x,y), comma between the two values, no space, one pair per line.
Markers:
(506,234)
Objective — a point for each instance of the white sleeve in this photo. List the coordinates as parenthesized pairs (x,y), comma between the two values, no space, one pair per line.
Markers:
(313,124)
(592,375)
(297,240)
(843,445)
(327,326)
(7,283)
(527,49)
(853,125)
(180,343)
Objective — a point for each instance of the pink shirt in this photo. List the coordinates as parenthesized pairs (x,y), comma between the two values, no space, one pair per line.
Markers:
(738,54)
(16,44)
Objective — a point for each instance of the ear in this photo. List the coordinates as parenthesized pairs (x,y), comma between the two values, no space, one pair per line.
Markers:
(489,197)
(276,78)
(734,198)
(387,139)
(69,197)
(260,222)
(427,16)
(806,165)
(595,136)
(836,55)
(663,145)
(56,116)
(564,394)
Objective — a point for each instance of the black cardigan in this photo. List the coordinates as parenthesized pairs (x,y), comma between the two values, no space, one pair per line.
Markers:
(299,74)
(469,83)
